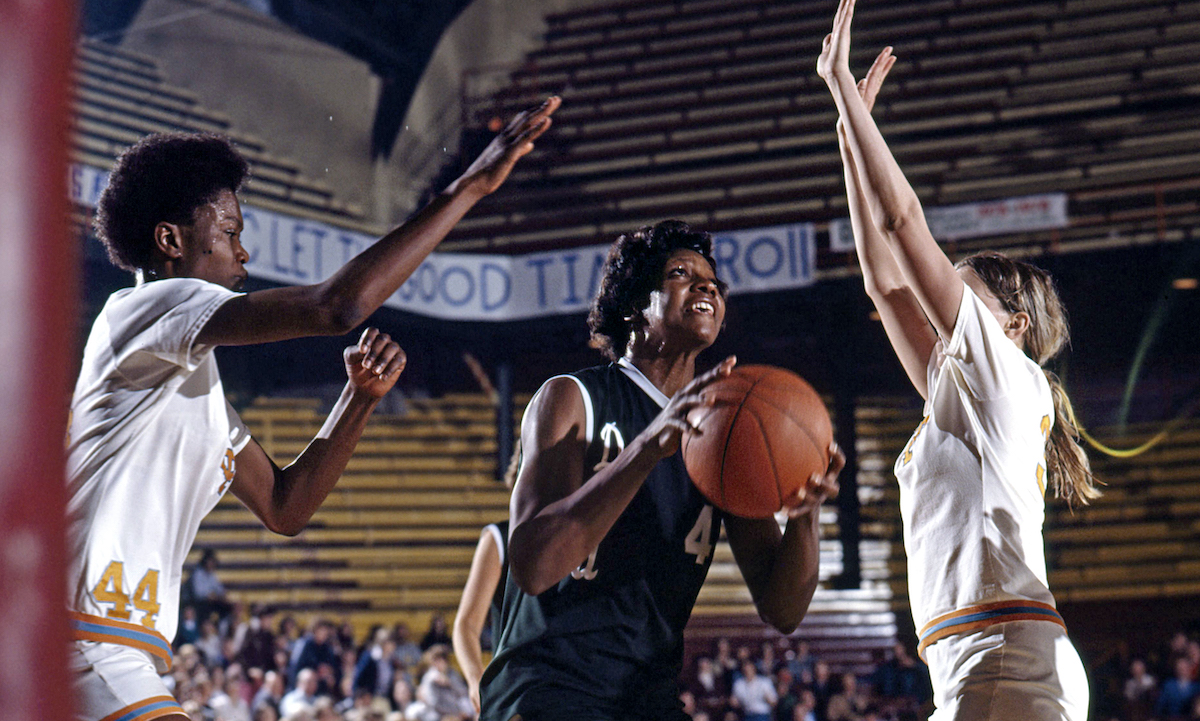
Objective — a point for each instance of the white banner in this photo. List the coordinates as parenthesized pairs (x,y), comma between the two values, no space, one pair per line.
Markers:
(470,286)
(976,220)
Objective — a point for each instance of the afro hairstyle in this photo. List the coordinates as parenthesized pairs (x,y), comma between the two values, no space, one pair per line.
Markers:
(164,178)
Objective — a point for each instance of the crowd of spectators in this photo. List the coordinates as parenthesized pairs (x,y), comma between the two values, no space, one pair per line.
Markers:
(1161,685)
(261,667)
(231,665)
(783,681)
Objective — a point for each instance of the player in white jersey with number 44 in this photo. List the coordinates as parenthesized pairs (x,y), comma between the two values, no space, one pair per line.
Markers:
(153,444)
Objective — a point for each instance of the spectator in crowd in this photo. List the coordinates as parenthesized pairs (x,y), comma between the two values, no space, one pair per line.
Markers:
(205,590)
(806,707)
(766,662)
(902,678)
(823,688)
(270,693)
(438,633)
(266,713)
(375,671)
(257,646)
(313,650)
(753,694)
(726,664)
(303,696)
(209,643)
(708,687)
(408,654)
(1141,691)
(189,628)
(403,694)
(1178,692)
(800,662)
(849,704)
(442,693)
(786,690)
(229,701)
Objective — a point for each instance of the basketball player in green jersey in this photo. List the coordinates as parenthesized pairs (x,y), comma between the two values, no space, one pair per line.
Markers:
(610,541)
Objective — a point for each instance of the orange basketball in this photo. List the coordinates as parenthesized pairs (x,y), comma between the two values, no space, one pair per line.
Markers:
(766,433)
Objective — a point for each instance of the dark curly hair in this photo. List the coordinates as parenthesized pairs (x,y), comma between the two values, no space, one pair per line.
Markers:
(632,272)
(164,178)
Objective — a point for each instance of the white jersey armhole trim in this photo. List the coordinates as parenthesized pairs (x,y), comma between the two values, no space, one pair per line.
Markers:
(641,381)
(589,416)
(495,531)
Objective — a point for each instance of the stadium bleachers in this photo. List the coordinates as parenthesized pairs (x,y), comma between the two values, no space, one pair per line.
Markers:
(394,539)
(712,111)
(121,96)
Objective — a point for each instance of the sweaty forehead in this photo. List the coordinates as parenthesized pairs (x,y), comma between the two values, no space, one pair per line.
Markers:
(224,207)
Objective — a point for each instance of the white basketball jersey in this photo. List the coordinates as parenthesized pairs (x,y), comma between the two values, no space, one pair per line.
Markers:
(972,483)
(151,450)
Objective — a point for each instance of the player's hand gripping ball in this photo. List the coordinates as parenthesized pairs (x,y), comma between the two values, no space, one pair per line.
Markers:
(764,435)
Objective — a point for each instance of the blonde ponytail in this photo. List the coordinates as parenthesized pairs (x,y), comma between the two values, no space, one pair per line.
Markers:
(1067,467)
(1022,287)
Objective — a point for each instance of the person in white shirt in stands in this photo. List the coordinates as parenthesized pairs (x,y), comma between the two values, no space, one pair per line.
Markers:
(753,694)
(153,444)
(997,433)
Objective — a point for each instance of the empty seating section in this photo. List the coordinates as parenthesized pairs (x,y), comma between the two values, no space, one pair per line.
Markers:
(121,97)
(1141,539)
(394,539)
(713,112)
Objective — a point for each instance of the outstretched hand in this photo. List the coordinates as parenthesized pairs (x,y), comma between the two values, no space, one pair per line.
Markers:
(666,430)
(819,486)
(868,87)
(833,65)
(491,168)
(375,363)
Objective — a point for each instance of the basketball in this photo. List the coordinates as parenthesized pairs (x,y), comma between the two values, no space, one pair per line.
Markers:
(765,434)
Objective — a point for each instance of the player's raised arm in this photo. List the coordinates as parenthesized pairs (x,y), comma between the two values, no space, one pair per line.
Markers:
(903,319)
(892,204)
(558,519)
(356,290)
(286,498)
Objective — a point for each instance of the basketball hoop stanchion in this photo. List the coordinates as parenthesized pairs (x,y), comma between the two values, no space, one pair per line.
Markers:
(37,340)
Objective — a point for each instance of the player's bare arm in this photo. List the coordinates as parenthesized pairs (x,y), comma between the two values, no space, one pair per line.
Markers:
(893,205)
(781,569)
(286,498)
(482,581)
(557,518)
(356,290)
(905,323)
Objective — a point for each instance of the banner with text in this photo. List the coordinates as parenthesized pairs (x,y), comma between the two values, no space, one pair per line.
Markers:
(976,220)
(470,286)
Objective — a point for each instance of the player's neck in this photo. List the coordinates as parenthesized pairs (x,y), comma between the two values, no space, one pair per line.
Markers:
(668,373)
